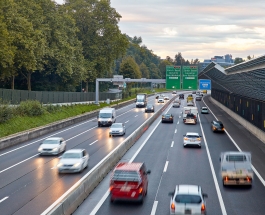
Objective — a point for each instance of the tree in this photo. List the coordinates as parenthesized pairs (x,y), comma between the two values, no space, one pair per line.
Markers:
(179,60)
(144,70)
(238,60)
(163,65)
(129,68)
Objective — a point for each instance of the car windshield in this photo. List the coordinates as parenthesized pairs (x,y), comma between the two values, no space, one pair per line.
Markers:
(232,158)
(71,155)
(123,175)
(188,199)
(104,115)
(149,106)
(167,115)
(51,142)
(204,108)
(116,125)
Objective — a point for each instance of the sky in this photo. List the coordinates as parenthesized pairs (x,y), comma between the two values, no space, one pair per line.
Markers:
(197,28)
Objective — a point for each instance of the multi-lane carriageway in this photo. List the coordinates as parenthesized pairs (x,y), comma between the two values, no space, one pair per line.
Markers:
(29,183)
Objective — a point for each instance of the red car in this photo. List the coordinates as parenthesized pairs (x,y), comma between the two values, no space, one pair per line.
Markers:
(129,182)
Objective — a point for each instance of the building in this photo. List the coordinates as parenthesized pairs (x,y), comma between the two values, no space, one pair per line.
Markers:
(224,61)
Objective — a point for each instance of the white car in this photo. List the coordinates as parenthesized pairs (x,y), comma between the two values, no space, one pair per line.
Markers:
(160,100)
(188,199)
(117,129)
(190,103)
(192,139)
(74,160)
(52,146)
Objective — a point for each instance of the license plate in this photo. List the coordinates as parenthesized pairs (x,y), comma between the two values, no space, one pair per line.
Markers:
(125,189)
(187,211)
(192,140)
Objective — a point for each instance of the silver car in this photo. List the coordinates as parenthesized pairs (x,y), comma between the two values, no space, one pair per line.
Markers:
(204,110)
(52,146)
(117,129)
(74,160)
(192,139)
(160,100)
(187,199)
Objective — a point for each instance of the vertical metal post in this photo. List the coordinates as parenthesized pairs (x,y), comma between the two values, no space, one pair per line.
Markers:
(97,92)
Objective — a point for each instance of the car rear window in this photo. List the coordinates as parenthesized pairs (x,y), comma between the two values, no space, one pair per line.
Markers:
(232,158)
(122,175)
(192,136)
(188,199)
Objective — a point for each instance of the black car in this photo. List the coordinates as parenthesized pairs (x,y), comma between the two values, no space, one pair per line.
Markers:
(217,126)
(181,96)
(149,108)
(168,117)
(157,96)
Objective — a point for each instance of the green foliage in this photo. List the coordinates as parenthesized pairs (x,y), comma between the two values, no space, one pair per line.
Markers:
(6,112)
(52,108)
(29,108)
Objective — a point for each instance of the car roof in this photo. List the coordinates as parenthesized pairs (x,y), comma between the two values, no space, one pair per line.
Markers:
(74,151)
(54,138)
(204,107)
(128,166)
(218,122)
(192,133)
(117,123)
(188,189)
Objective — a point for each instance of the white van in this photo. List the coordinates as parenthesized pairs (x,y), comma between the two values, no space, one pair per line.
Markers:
(189,109)
(106,117)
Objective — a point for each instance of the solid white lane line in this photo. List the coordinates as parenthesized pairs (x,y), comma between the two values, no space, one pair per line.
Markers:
(238,148)
(18,163)
(153,212)
(54,167)
(176,131)
(103,199)
(4,199)
(222,205)
(178,122)
(172,144)
(165,168)
(93,142)
(179,116)
(253,168)
(127,121)
(136,115)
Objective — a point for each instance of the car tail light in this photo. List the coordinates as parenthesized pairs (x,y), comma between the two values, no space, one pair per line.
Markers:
(226,178)
(203,208)
(140,190)
(185,138)
(172,206)
(214,128)
(111,188)
(223,129)
(249,179)
(198,138)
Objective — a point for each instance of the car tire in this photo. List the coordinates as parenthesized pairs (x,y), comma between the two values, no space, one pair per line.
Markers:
(99,125)
(110,135)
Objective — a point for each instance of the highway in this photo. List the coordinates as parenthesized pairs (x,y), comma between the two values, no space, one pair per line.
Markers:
(161,148)
(29,183)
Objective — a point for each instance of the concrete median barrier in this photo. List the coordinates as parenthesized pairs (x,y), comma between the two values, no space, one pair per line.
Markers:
(97,173)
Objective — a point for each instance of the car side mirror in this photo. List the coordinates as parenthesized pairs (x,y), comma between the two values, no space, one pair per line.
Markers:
(148,172)
(204,195)
(171,194)
(200,135)
(220,159)
(60,157)
(184,135)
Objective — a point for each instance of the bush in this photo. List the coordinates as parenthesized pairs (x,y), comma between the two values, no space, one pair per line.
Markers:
(6,113)
(52,108)
(30,108)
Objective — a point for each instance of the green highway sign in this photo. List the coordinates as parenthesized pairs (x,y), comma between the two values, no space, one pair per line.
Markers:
(173,77)
(189,77)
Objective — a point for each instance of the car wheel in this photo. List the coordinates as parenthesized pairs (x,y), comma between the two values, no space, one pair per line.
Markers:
(110,135)
(98,125)
(86,165)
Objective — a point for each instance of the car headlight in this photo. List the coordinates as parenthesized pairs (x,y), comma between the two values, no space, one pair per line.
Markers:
(121,130)
(55,149)
(59,164)
(77,164)
(40,149)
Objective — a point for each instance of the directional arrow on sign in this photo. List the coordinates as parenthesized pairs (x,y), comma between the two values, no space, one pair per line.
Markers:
(189,87)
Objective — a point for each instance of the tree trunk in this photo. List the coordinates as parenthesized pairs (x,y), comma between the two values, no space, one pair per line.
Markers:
(29,81)
(13,82)
(86,86)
